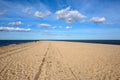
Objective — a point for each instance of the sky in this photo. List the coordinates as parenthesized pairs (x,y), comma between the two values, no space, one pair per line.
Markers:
(60,19)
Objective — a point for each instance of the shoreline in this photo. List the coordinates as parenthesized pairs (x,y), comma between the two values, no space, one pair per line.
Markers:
(11,42)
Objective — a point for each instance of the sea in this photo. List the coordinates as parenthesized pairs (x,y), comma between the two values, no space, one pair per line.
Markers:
(14,42)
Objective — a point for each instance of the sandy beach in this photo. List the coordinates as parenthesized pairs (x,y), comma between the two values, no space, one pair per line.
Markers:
(57,60)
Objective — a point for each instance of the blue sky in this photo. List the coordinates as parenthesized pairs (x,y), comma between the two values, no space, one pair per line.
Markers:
(59,19)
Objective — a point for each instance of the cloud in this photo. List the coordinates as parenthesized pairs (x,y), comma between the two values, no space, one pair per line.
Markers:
(18,23)
(98,19)
(42,14)
(44,25)
(15,29)
(69,15)
(3,12)
(27,10)
(68,27)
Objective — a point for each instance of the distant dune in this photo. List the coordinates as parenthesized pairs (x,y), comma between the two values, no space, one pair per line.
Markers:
(58,60)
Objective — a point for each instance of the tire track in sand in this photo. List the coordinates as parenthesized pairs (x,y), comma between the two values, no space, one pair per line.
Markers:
(41,65)
(16,51)
(72,72)
(14,48)
(11,61)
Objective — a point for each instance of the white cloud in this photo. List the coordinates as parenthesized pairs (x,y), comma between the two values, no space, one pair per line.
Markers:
(15,29)
(44,25)
(69,15)
(27,10)
(42,14)
(68,27)
(98,19)
(3,12)
(15,23)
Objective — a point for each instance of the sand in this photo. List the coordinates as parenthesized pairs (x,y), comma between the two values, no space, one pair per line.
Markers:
(55,60)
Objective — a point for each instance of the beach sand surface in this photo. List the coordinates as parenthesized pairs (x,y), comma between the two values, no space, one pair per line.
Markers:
(59,60)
